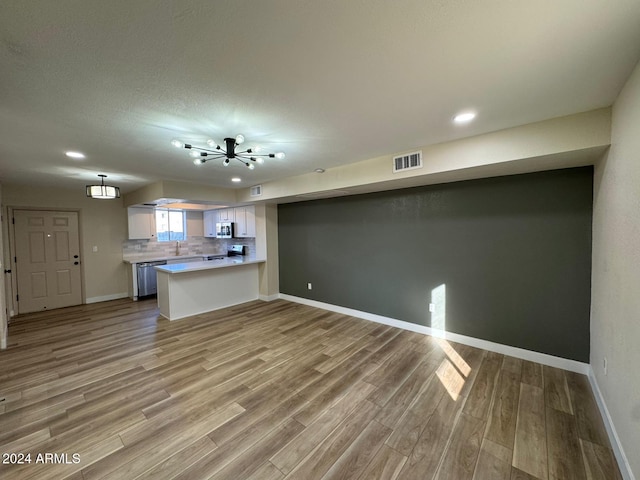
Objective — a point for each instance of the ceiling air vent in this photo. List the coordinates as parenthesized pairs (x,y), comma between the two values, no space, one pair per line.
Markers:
(256,191)
(409,161)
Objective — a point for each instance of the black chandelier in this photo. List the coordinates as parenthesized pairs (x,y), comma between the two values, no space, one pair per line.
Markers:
(248,157)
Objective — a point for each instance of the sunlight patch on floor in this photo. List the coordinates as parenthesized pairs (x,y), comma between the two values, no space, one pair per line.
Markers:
(450,378)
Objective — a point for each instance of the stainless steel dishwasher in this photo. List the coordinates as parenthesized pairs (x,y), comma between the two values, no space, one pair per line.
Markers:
(147,280)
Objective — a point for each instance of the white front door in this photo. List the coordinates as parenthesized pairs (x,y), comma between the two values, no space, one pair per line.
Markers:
(47,260)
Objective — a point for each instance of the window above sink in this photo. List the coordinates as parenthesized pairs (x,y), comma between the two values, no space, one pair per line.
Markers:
(171,225)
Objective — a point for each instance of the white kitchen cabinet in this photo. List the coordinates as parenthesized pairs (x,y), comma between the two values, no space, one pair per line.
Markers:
(195,224)
(226,215)
(142,223)
(245,222)
(209,218)
(243,217)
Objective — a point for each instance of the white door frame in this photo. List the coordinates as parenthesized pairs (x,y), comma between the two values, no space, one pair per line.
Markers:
(4,323)
(12,248)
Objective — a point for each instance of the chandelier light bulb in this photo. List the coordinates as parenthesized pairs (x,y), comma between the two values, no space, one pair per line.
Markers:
(212,143)
(239,139)
(250,166)
(177,143)
(226,162)
(260,160)
(194,154)
(257,149)
(198,161)
(280,155)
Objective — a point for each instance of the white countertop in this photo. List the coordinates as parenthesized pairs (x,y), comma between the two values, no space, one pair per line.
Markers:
(171,257)
(208,264)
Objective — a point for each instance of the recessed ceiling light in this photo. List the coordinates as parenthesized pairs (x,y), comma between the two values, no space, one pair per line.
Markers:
(464,117)
(74,154)
(236,179)
(319,170)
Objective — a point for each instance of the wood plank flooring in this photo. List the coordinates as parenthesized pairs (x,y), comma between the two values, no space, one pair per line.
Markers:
(281,391)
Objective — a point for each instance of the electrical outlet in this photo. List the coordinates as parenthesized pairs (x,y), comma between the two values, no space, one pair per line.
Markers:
(604,365)
(432,307)
(94,249)
(309,286)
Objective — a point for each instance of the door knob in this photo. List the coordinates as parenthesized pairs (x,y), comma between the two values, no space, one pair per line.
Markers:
(75,256)
(76,263)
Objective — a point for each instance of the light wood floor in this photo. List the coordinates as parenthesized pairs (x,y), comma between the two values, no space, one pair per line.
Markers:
(280,390)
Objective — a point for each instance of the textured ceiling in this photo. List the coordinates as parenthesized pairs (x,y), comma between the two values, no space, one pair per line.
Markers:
(328,82)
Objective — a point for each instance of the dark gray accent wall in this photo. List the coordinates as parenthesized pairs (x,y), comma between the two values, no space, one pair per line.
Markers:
(514,255)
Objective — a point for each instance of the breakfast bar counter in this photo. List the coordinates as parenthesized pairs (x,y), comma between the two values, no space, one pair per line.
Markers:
(186,289)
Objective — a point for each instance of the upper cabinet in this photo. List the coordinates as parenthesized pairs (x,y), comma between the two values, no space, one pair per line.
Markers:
(142,223)
(209,219)
(226,215)
(243,217)
(245,222)
(194,220)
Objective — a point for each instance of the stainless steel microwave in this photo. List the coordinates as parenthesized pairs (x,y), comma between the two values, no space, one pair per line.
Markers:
(224,230)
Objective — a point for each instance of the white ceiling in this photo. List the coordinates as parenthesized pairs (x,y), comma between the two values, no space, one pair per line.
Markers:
(329,82)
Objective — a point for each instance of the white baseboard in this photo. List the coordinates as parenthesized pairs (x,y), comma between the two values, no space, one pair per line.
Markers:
(269,298)
(105,298)
(543,358)
(616,445)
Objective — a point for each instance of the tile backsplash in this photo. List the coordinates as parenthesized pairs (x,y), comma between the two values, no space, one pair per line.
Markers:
(140,249)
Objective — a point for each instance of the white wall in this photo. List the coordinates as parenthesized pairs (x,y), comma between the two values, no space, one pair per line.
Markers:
(615,303)
(563,142)
(267,247)
(103,223)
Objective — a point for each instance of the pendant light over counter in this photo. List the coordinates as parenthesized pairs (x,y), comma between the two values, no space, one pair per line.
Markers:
(102,191)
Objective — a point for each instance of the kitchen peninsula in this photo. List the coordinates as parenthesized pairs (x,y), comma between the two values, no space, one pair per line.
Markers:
(186,289)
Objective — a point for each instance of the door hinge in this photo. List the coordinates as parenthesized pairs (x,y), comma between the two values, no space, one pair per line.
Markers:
(17,298)
(13,220)
(15,259)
